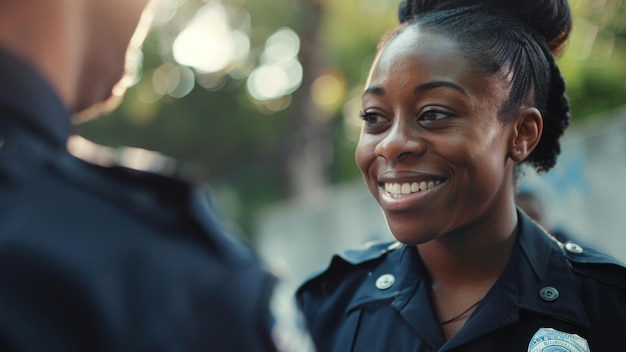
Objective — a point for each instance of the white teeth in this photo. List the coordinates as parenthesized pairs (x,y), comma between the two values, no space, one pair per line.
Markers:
(408,188)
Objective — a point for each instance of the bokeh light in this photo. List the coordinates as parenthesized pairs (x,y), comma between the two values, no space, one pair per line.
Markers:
(213,47)
(328,91)
(281,46)
(208,44)
(280,73)
(268,82)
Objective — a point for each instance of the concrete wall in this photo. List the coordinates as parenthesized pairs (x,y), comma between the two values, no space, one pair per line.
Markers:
(297,238)
(586,192)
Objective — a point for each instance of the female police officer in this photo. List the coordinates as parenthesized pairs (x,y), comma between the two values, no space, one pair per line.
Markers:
(459,96)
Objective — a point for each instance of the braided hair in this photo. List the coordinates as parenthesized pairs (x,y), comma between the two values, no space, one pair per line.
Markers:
(521,36)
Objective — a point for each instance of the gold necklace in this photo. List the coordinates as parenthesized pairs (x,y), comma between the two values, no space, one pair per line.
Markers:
(460,314)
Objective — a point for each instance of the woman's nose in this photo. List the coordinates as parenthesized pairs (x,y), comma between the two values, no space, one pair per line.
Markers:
(400,142)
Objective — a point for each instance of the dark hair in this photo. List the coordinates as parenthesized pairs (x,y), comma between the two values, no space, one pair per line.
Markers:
(524,36)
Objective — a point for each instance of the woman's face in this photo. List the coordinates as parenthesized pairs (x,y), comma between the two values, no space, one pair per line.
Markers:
(432,149)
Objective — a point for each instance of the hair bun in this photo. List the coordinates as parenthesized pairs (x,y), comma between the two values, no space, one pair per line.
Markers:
(409,9)
(550,19)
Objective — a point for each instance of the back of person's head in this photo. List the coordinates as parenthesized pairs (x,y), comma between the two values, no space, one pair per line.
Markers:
(522,37)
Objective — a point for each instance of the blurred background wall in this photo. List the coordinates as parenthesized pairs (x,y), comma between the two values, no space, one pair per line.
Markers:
(260,100)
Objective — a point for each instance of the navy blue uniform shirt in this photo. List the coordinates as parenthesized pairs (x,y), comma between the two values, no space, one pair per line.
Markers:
(550,295)
(111,259)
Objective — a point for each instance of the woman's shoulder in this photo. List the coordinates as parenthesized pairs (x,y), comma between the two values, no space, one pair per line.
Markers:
(547,252)
(591,263)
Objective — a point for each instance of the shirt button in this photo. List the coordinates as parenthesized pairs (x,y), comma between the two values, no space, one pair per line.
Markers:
(573,247)
(549,294)
(385,281)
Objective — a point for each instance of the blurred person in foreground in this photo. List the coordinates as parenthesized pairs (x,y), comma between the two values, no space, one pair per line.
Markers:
(107,258)
(459,96)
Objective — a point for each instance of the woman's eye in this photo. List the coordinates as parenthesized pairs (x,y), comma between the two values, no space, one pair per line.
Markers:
(371,118)
(434,116)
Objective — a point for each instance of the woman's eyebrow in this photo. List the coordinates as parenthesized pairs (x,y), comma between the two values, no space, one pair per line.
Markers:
(419,88)
(432,85)
(373,90)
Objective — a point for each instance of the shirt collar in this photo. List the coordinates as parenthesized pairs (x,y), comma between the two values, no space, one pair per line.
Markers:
(408,294)
(399,266)
(28,99)
(537,279)
(542,254)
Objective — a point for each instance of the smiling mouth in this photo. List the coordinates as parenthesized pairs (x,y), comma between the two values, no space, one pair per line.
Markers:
(398,190)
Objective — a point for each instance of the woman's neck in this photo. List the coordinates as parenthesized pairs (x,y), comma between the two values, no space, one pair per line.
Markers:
(463,267)
(470,254)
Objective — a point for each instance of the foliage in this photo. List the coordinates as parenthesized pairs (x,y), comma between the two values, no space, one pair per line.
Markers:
(596,58)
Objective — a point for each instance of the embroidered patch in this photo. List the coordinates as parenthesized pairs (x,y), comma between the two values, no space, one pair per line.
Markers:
(550,340)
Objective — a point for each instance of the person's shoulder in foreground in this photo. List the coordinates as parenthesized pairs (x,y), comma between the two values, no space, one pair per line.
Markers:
(97,258)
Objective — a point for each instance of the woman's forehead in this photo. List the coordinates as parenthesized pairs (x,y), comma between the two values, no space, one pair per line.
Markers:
(416,57)
(414,51)
(416,36)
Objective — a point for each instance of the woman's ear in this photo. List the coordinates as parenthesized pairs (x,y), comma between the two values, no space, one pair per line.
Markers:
(527,133)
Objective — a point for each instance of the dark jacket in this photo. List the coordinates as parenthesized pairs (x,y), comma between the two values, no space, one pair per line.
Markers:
(548,293)
(110,259)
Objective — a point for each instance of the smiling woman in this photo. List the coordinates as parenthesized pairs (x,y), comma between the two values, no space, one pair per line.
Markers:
(427,123)
(459,96)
